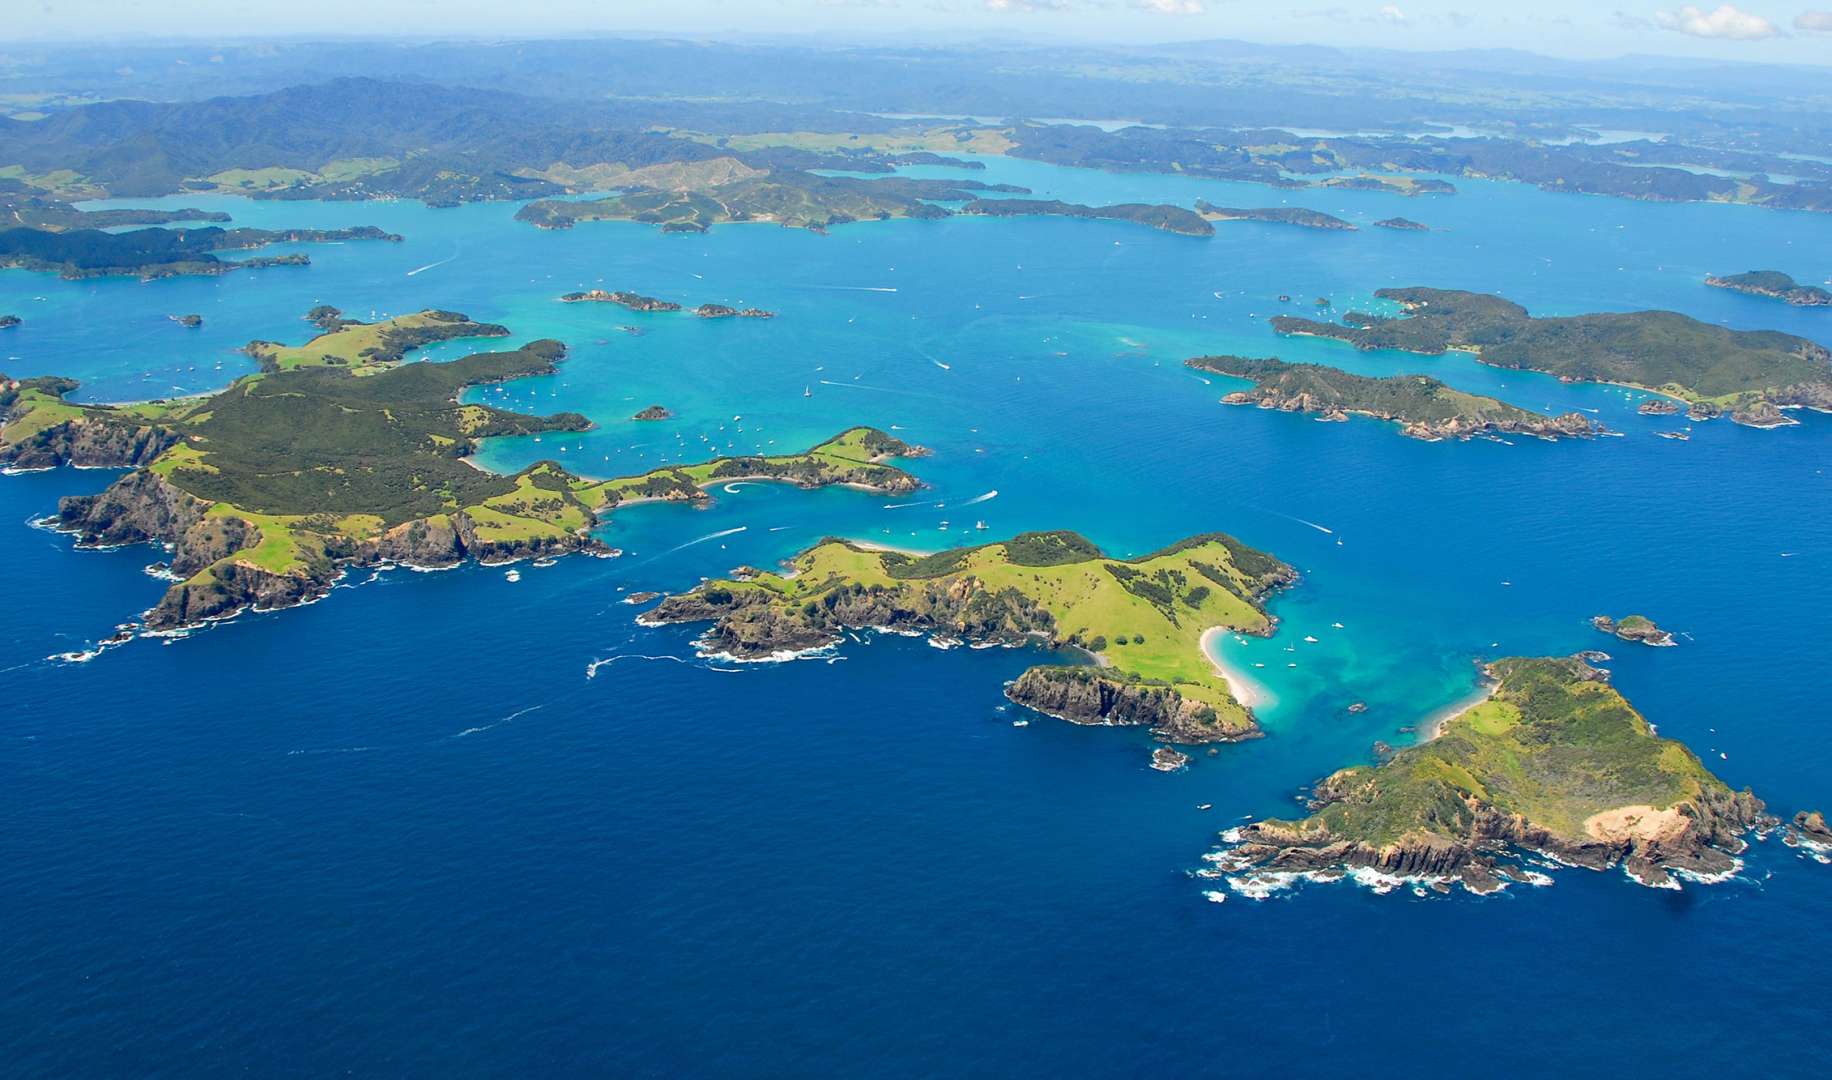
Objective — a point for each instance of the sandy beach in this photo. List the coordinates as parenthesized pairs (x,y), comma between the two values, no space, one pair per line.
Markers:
(1245,690)
(1434,727)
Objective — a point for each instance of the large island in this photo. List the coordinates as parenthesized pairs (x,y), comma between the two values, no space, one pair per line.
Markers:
(1423,407)
(1753,374)
(1555,762)
(1143,620)
(268,490)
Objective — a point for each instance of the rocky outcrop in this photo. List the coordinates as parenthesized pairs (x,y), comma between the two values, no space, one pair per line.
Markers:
(1633,628)
(1761,413)
(90,442)
(232,586)
(1083,695)
(1164,759)
(1659,407)
(7,322)
(654,412)
(1809,828)
(141,507)
(1403,224)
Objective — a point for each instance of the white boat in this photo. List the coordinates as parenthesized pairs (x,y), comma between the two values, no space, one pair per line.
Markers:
(980,525)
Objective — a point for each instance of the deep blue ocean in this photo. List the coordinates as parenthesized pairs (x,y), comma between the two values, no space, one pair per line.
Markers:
(402,831)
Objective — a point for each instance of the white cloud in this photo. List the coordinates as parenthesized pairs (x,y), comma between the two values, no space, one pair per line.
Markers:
(1025,6)
(1170,7)
(1390,13)
(1814,20)
(1728,22)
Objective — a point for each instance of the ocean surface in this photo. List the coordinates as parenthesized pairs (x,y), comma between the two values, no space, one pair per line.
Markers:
(449,824)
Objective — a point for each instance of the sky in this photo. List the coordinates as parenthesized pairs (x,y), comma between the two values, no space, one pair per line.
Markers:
(1758,30)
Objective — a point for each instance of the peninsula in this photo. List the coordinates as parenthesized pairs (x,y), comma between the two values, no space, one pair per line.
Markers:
(1774,285)
(267,491)
(1752,374)
(1143,619)
(1555,762)
(1278,215)
(1423,407)
(361,345)
(158,253)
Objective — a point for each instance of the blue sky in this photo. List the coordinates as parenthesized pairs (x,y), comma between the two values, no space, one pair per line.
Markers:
(1758,30)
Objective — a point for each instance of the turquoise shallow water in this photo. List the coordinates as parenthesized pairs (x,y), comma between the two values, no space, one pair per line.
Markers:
(280,844)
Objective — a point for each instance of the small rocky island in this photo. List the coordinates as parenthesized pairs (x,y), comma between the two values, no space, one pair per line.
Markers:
(1659,406)
(721,311)
(1402,224)
(1554,762)
(1143,619)
(1423,407)
(633,301)
(654,412)
(189,322)
(1633,628)
(1774,285)
(7,322)
(1278,215)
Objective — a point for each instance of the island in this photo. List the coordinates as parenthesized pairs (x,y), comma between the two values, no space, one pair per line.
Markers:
(1658,406)
(791,198)
(149,254)
(1392,185)
(1554,762)
(1774,285)
(361,345)
(1633,628)
(1166,218)
(7,322)
(1402,224)
(1278,215)
(267,491)
(633,301)
(189,322)
(1145,621)
(721,311)
(1423,407)
(1752,374)
(653,412)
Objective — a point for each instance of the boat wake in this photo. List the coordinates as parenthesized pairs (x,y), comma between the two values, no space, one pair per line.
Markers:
(481,728)
(993,494)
